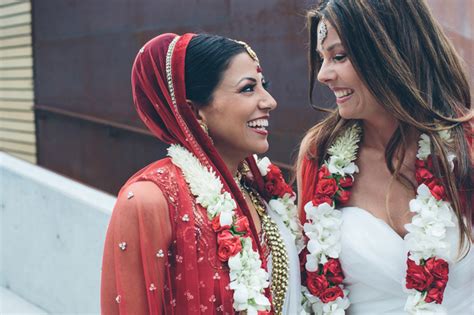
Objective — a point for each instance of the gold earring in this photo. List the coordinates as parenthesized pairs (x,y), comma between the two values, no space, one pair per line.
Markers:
(204,127)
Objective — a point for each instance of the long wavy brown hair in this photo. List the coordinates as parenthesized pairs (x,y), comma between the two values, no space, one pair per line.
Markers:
(406,61)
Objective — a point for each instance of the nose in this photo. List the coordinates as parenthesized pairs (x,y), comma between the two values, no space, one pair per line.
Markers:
(267,102)
(326,73)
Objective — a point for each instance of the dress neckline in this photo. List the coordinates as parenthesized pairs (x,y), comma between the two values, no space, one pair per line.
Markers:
(377,219)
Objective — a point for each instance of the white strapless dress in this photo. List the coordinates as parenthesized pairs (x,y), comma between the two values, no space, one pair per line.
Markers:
(374,262)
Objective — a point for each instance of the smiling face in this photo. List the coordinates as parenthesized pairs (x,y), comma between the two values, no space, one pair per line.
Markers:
(352,96)
(237,116)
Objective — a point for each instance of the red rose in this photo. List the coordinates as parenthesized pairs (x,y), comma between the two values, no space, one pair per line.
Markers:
(320,199)
(333,271)
(434,294)
(428,164)
(439,268)
(331,294)
(323,172)
(436,189)
(277,188)
(242,224)
(422,175)
(343,196)
(229,245)
(275,184)
(345,181)
(326,186)
(302,259)
(316,284)
(417,276)
(216,226)
(419,164)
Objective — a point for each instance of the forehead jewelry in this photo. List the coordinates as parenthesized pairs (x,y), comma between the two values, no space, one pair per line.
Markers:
(322,31)
(251,53)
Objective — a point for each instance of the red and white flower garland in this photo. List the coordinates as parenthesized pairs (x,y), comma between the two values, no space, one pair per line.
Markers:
(248,277)
(427,272)
(282,199)
(427,266)
(324,292)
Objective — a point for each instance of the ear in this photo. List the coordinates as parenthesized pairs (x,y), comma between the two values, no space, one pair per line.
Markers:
(197,110)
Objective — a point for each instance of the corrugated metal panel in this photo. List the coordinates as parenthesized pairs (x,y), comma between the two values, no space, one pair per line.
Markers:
(17,125)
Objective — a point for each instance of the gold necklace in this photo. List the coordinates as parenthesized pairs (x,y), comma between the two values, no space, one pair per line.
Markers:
(277,247)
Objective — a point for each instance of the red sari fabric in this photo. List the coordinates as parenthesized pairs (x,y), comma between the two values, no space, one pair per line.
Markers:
(151,274)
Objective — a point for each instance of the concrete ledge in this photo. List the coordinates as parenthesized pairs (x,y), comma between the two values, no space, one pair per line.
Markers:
(14,304)
(52,234)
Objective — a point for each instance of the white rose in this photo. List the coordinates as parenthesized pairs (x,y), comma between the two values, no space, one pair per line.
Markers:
(235,262)
(226,218)
(240,294)
(262,301)
(264,166)
(336,165)
(277,206)
(311,263)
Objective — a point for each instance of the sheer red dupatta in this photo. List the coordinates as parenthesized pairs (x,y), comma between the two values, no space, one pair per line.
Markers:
(194,281)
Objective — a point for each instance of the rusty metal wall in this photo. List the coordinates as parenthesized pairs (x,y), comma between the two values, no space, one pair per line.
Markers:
(83,52)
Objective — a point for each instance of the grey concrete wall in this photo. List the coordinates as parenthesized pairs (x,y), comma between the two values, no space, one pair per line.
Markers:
(52,234)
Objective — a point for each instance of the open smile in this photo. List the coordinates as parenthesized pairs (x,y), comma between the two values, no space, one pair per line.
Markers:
(259,125)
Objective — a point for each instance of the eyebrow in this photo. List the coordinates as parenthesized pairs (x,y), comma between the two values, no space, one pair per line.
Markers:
(247,78)
(330,47)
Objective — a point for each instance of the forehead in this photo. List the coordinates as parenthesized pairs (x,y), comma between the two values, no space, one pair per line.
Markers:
(240,65)
(331,38)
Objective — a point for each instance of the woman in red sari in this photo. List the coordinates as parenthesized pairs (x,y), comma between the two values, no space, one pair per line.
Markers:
(194,233)
(385,179)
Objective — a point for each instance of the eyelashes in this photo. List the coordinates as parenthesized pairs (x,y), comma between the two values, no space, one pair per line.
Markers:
(340,57)
(248,88)
(266,84)
(336,58)
(251,87)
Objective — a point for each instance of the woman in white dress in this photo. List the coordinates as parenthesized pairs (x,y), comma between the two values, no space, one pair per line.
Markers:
(385,187)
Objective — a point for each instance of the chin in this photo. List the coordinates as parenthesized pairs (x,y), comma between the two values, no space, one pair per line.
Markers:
(260,148)
(348,113)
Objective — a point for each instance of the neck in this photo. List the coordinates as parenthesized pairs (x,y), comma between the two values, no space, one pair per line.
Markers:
(377,132)
(232,161)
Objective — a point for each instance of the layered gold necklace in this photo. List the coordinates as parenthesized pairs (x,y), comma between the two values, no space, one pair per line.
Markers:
(280,268)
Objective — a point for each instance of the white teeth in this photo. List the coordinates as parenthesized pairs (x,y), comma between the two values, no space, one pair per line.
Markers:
(342,93)
(258,123)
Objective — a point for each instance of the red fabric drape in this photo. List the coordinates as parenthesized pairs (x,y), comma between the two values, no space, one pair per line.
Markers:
(308,173)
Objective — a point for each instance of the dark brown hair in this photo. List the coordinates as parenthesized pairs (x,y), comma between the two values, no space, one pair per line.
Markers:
(406,61)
